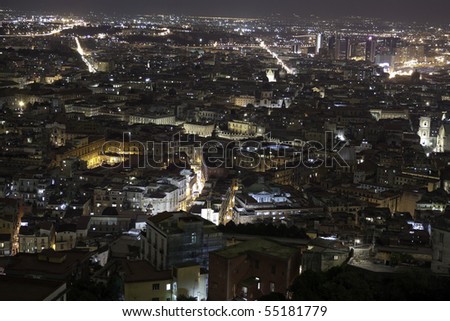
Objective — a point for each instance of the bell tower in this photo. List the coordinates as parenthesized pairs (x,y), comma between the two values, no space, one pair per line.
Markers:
(424,131)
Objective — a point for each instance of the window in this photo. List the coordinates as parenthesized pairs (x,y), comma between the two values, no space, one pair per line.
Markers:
(155,286)
(168,287)
(272,287)
(244,290)
(439,256)
(336,257)
(194,238)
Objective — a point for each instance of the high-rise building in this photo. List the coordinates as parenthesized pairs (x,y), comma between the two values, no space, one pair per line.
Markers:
(371,49)
(318,43)
(339,47)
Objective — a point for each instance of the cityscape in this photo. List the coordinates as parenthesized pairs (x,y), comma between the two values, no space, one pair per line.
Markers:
(181,157)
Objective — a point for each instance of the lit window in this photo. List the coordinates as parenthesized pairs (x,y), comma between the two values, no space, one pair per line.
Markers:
(168,287)
(272,287)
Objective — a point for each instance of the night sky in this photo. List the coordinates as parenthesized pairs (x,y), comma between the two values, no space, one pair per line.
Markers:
(420,10)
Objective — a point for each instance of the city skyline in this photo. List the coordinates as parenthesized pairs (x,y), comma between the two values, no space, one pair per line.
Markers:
(191,157)
(433,11)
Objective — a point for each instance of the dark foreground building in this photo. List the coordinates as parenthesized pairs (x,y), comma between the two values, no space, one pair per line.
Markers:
(251,269)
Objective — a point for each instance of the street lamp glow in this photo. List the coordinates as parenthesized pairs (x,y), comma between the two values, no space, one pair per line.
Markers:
(274,55)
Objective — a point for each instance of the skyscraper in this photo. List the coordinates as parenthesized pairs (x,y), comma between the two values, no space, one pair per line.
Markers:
(318,43)
(370,49)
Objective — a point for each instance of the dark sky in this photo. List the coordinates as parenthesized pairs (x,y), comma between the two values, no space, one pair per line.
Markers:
(420,10)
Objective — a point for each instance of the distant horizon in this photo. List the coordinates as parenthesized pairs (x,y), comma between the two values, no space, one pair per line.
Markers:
(432,11)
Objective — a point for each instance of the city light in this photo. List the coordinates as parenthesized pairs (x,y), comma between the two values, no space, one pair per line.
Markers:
(84,57)
(169,157)
(274,55)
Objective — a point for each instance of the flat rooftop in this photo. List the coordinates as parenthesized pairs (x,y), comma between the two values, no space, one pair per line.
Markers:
(23,289)
(262,246)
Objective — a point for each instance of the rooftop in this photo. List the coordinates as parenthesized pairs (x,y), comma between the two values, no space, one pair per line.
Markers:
(262,246)
(143,271)
(22,289)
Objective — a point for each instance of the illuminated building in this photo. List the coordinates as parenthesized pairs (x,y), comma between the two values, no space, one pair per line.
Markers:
(371,45)
(318,43)
(36,239)
(245,128)
(243,100)
(270,74)
(424,130)
(443,139)
(199,129)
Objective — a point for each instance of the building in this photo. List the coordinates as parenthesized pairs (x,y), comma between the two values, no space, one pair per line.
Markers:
(251,269)
(174,238)
(261,201)
(440,238)
(153,119)
(323,255)
(50,265)
(65,237)
(57,133)
(142,282)
(243,101)
(109,223)
(424,131)
(24,289)
(5,245)
(108,196)
(36,239)
(199,129)
(371,47)
(443,139)
(88,110)
(318,43)
(190,281)
(245,128)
